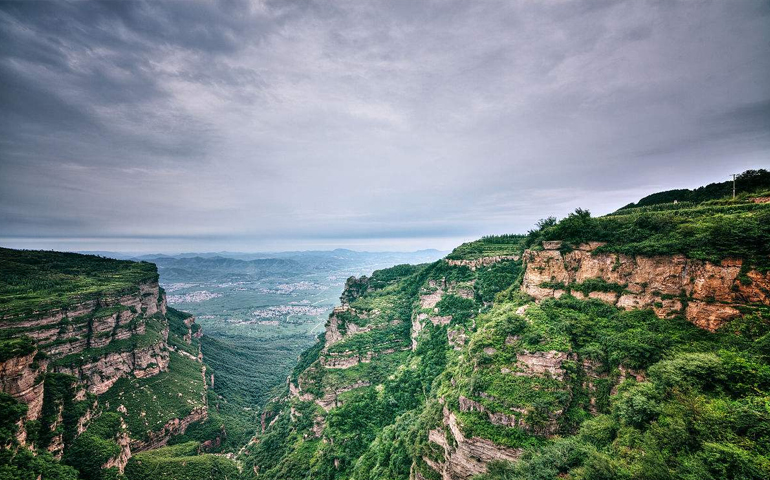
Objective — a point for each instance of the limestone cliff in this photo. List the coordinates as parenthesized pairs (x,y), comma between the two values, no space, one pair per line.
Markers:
(464,457)
(437,371)
(20,377)
(373,350)
(98,341)
(78,331)
(707,294)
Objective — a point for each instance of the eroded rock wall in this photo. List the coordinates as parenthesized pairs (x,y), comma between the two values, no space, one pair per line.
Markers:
(464,456)
(707,294)
(19,377)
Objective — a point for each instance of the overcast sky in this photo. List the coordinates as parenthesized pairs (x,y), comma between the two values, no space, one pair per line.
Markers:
(370,125)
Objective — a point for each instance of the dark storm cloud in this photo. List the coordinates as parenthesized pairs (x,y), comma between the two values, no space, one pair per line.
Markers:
(241,124)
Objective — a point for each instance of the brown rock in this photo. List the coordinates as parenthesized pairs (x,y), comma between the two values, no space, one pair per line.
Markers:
(20,379)
(713,291)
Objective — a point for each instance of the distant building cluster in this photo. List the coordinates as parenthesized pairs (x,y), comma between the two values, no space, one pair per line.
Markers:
(173,287)
(288,288)
(277,311)
(193,297)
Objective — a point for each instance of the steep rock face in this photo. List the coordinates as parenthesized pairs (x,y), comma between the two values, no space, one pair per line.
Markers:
(481,262)
(101,374)
(707,294)
(333,331)
(465,457)
(92,324)
(97,341)
(342,326)
(176,426)
(354,288)
(350,358)
(434,291)
(19,378)
(370,351)
(121,459)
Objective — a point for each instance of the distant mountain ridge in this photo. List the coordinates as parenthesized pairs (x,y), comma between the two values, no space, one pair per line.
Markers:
(336,253)
(254,266)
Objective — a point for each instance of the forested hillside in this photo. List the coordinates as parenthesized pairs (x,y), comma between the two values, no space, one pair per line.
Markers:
(634,345)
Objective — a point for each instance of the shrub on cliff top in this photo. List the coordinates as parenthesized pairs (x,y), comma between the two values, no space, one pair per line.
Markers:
(704,233)
(15,347)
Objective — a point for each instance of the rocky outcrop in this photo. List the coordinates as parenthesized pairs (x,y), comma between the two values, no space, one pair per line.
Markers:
(347,359)
(101,374)
(457,337)
(19,377)
(296,391)
(91,323)
(540,364)
(354,288)
(481,262)
(85,329)
(338,328)
(465,457)
(91,341)
(331,398)
(436,289)
(124,442)
(512,420)
(175,426)
(707,294)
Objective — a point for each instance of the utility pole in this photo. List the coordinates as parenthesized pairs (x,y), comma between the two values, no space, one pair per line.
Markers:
(734,186)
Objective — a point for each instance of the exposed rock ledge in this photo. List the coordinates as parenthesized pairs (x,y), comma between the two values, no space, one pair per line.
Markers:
(19,378)
(350,359)
(124,442)
(469,456)
(175,426)
(102,373)
(481,262)
(333,332)
(712,292)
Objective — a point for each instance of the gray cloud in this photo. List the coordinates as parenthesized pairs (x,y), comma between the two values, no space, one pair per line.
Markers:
(249,125)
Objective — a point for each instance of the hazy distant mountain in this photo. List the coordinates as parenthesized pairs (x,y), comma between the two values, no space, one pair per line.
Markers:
(230,266)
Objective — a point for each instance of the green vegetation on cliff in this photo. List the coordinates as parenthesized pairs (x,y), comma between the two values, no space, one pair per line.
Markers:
(748,183)
(34,280)
(18,463)
(703,232)
(386,383)
(437,371)
(180,462)
(448,370)
(490,246)
(88,318)
(147,404)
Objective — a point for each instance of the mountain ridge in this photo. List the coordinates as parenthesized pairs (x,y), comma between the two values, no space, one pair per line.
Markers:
(543,356)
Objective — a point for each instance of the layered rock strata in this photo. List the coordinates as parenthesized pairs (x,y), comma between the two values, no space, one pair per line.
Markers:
(707,294)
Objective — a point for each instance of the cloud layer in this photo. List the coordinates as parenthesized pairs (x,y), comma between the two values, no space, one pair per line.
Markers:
(253,125)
